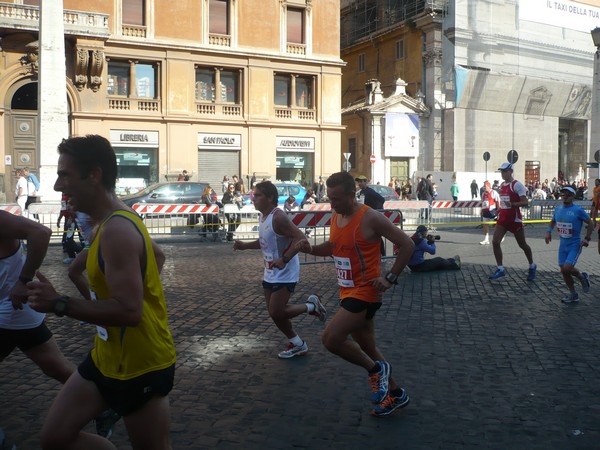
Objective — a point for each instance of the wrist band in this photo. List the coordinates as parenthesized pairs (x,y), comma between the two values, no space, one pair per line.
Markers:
(549,230)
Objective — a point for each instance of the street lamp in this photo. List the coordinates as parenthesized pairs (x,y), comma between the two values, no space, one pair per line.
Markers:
(595,122)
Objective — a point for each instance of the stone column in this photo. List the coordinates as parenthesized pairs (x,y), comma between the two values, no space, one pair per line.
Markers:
(52,95)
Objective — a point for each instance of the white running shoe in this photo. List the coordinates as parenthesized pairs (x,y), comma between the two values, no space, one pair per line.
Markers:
(485,242)
(293,350)
(320,312)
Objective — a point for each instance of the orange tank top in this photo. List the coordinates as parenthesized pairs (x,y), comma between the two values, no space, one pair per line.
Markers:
(357,261)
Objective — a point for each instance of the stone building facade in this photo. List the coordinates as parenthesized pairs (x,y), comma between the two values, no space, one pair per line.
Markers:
(215,87)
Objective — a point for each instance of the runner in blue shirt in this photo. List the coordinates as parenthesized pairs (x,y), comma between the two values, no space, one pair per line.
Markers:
(569,219)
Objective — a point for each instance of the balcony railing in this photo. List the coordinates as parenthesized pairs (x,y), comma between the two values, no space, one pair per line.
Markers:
(78,23)
(133,31)
(144,105)
(218,109)
(295,113)
(221,40)
(296,49)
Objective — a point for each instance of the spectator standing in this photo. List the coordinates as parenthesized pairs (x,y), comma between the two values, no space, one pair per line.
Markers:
(513,195)
(224,184)
(454,191)
(252,180)
(489,204)
(354,243)
(321,191)
(368,195)
(569,219)
(278,239)
(426,192)
(131,366)
(233,218)
(596,206)
(186,177)
(474,190)
(21,192)
(33,188)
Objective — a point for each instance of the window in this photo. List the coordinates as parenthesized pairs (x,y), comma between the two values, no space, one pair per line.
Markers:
(400,49)
(361,62)
(295,26)
(31,2)
(134,12)
(120,75)
(217,85)
(218,17)
(294,91)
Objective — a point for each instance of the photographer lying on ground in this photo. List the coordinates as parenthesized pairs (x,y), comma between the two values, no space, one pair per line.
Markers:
(425,243)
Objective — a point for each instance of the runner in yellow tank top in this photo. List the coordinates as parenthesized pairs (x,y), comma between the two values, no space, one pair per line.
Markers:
(354,243)
(131,367)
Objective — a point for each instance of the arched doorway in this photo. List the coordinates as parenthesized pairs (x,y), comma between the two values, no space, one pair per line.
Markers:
(21,132)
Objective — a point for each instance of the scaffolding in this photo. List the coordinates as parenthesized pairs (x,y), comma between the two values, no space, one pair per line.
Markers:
(363,18)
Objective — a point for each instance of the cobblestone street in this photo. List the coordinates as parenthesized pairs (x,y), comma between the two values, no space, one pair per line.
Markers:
(487,366)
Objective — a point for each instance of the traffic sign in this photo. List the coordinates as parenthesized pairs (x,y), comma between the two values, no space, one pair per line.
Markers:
(592,165)
(512,156)
(346,166)
(597,156)
(373,158)
(486,156)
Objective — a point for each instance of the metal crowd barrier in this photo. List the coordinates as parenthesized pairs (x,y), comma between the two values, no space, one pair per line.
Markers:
(214,223)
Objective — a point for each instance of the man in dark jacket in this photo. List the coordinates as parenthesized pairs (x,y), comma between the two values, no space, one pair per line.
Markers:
(426,193)
(371,198)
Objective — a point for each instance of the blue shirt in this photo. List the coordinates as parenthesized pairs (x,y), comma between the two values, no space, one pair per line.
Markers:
(421,248)
(34,180)
(569,221)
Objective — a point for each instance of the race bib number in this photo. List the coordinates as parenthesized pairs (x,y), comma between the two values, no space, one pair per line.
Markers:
(268,259)
(344,271)
(485,204)
(565,229)
(505,201)
(102,332)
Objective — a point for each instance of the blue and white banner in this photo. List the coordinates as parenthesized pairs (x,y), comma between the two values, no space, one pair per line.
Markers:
(581,15)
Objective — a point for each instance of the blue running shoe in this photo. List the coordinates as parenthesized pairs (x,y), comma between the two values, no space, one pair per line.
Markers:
(573,297)
(498,275)
(380,382)
(390,404)
(585,281)
(531,273)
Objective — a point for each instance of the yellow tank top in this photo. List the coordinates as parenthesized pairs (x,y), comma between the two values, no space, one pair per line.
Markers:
(128,352)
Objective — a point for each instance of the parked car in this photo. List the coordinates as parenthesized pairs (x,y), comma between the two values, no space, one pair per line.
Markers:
(284,190)
(168,192)
(387,192)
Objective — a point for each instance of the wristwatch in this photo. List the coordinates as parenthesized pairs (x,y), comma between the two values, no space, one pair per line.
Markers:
(60,305)
(391,277)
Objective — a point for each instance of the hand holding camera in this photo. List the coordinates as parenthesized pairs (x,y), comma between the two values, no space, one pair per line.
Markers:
(431,238)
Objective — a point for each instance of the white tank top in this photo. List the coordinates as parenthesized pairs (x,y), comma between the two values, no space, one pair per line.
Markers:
(273,245)
(10,318)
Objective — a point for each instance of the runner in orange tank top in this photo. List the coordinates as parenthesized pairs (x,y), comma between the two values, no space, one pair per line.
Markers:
(354,243)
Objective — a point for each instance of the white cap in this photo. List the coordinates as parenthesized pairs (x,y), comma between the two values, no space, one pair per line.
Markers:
(506,166)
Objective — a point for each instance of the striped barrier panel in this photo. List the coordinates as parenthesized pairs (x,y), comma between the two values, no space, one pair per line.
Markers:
(307,219)
(406,204)
(457,204)
(13,209)
(191,208)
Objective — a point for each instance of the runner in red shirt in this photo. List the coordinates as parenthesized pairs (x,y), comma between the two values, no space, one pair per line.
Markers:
(512,197)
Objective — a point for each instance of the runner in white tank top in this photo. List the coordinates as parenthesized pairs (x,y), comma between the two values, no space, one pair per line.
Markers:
(278,239)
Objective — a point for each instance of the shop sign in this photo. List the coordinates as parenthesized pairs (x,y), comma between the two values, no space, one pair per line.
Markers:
(213,140)
(292,143)
(134,138)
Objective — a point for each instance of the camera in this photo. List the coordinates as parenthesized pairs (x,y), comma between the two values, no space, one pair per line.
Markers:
(433,237)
